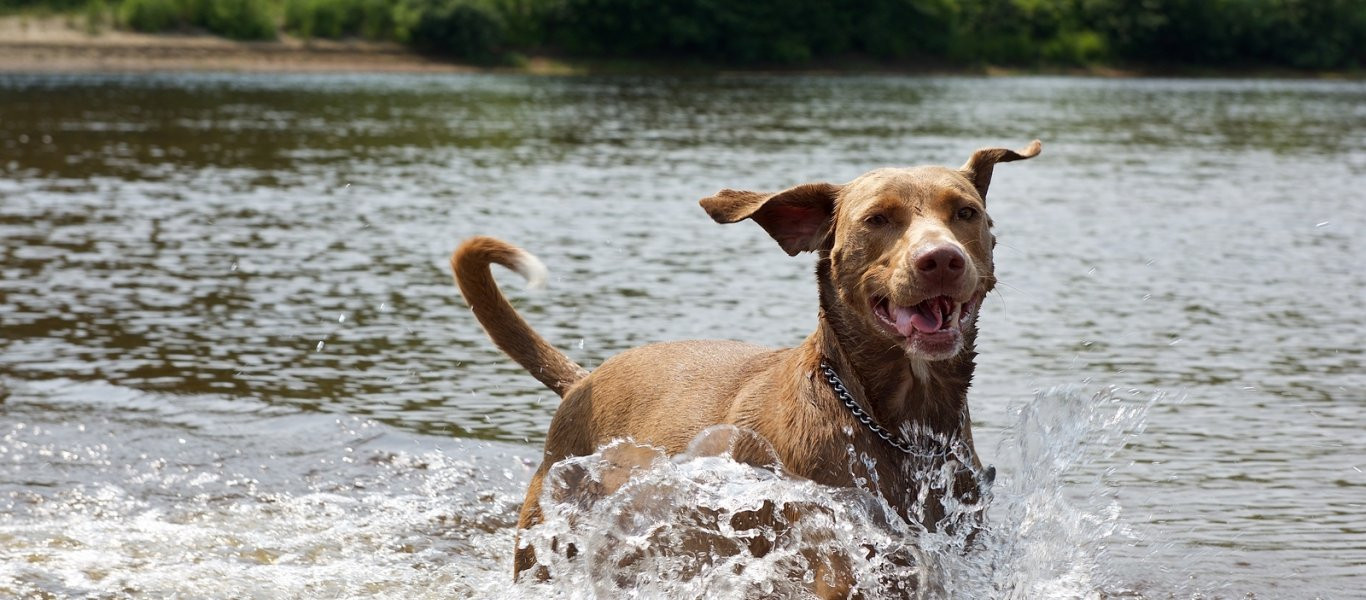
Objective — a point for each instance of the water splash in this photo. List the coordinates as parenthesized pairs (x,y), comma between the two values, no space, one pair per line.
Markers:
(107,492)
(99,498)
(1051,525)
(629,521)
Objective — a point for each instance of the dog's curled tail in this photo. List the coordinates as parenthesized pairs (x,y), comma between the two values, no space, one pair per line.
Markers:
(470,264)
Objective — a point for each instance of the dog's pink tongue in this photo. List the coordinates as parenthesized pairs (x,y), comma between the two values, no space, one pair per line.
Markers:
(924,318)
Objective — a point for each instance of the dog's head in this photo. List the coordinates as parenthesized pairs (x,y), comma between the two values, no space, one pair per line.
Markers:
(909,248)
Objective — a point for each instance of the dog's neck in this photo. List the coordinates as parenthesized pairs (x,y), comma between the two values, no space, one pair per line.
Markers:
(898,391)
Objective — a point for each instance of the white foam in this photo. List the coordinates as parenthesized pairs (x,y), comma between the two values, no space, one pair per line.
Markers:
(99,500)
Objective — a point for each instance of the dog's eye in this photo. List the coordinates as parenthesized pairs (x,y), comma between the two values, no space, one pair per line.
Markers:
(877,219)
(967,213)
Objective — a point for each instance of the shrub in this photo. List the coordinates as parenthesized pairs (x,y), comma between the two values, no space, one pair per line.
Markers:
(238,19)
(315,18)
(51,5)
(751,31)
(523,21)
(150,16)
(1315,34)
(1075,48)
(339,18)
(96,14)
(459,28)
(376,19)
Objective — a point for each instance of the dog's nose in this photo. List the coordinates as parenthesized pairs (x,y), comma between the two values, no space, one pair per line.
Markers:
(944,263)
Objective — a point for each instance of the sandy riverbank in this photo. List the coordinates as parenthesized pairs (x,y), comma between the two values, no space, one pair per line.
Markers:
(61,44)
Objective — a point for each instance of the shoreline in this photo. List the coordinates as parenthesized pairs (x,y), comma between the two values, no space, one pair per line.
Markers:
(57,44)
(54,44)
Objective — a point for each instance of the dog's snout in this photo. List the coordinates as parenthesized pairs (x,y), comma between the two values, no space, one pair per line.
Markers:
(945,263)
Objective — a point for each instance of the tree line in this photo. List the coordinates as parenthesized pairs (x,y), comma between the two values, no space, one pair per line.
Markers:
(1304,34)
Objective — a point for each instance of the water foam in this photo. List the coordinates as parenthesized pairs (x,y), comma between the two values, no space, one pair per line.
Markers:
(645,525)
(108,492)
(112,493)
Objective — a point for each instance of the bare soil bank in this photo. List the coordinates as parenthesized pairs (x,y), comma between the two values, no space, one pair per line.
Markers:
(60,44)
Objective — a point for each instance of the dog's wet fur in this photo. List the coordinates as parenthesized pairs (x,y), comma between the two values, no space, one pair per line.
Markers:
(905,260)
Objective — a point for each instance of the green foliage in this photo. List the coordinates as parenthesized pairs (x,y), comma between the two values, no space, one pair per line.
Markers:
(149,16)
(1298,33)
(372,19)
(1075,48)
(96,14)
(523,21)
(1025,32)
(465,29)
(236,19)
(1313,34)
(1317,34)
(41,5)
(782,31)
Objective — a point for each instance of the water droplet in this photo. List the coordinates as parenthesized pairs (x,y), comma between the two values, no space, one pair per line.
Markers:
(1091,271)
(23,138)
(1174,342)
(1319,225)
(47,139)
(320,346)
(233,267)
(341,318)
(580,343)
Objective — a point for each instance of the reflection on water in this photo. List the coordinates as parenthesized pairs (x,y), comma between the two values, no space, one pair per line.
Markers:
(279,243)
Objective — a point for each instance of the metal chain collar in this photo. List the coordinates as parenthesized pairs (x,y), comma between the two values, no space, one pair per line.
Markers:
(867,420)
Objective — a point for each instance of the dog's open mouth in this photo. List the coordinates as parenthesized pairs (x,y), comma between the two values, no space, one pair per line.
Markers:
(933,321)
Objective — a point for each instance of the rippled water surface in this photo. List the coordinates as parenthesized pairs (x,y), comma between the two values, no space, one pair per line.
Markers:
(233,363)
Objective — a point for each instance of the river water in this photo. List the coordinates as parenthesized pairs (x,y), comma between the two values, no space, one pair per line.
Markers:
(233,364)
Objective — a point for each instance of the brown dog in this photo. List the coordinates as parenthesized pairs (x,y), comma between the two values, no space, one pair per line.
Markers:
(905,260)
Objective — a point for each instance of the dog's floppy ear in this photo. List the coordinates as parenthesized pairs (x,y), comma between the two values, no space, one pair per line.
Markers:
(978,168)
(799,217)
